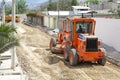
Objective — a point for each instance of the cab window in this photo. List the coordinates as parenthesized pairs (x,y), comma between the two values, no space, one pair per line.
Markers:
(83,27)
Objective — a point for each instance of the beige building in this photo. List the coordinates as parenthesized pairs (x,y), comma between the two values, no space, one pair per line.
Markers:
(40,19)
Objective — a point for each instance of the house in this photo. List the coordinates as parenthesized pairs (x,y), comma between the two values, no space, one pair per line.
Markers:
(35,18)
(78,10)
(40,19)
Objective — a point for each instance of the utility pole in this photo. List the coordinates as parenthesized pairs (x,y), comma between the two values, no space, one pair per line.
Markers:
(13,23)
(3,11)
(58,13)
(16,6)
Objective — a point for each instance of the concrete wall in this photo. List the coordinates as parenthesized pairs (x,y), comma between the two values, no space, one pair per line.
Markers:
(29,19)
(50,22)
(108,30)
(35,20)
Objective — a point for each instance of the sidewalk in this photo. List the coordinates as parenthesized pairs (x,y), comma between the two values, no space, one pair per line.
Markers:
(6,73)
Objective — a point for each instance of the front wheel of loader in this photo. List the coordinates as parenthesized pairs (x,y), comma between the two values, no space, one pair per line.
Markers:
(66,52)
(73,57)
(52,44)
(102,61)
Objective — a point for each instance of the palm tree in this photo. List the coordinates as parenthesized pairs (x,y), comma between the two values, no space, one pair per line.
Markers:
(7,39)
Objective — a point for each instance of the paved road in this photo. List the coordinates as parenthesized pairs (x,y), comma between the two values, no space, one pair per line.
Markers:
(40,64)
(112,54)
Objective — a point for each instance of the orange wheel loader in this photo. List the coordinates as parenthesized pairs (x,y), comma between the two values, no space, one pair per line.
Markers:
(9,19)
(78,42)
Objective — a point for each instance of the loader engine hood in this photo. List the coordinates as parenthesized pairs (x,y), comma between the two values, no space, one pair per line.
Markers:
(85,36)
(91,42)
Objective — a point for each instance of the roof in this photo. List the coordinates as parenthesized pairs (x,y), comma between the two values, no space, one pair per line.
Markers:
(81,7)
(79,18)
(35,14)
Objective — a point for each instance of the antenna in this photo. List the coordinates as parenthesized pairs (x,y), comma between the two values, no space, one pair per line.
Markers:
(82,15)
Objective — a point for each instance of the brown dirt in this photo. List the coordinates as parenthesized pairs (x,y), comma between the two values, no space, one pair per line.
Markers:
(39,63)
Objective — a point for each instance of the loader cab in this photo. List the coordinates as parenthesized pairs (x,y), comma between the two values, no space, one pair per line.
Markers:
(73,27)
(82,26)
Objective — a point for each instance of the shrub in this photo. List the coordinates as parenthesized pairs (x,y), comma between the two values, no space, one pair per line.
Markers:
(7,37)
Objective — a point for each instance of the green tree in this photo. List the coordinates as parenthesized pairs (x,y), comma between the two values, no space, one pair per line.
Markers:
(43,7)
(112,10)
(21,6)
(7,39)
(50,5)
(8,9)
(74,2)
(93,1)
(118,12)
(110,0)
(63,5)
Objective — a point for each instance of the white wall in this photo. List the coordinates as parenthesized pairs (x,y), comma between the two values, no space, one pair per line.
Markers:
(46,21)
(61,13)
(108,30)
(49,21)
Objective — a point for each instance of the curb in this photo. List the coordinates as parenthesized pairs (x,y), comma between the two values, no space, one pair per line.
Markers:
(112,60)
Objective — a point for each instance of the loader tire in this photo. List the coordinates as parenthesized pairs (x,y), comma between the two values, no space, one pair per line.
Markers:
(66,52)
(102,61)
(73,57)
(52,44)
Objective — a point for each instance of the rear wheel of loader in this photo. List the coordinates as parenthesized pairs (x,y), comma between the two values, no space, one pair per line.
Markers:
(73,57)
(52,44)
(66,53)
(102,61)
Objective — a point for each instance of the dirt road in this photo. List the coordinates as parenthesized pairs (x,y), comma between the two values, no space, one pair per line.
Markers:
(40,64)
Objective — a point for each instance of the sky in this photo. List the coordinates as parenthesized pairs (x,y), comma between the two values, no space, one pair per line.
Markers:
(35,1)
(29,1)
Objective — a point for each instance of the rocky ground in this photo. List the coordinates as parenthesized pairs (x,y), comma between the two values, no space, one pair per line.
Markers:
(39,63)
